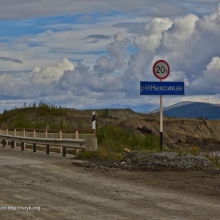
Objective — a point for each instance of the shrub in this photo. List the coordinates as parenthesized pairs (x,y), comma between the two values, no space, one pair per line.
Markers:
(112,140)
(195,151)
(215,160)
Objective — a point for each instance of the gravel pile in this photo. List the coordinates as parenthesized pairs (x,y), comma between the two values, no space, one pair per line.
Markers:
(140,160)
(167,159)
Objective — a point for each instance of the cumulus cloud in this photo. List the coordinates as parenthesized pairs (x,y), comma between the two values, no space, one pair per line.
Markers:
(152,34)
(189,44)
(47,75)
(209,81)
(117,51)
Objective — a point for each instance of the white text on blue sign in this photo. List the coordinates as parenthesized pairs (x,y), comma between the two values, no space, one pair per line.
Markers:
(162,88)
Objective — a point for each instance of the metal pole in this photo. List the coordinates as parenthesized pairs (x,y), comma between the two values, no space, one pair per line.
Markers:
(161,122)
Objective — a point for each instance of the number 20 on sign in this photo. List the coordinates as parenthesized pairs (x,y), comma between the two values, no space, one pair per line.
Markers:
(161,69)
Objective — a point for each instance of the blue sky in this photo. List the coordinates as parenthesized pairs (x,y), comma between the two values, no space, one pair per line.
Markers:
(93,54)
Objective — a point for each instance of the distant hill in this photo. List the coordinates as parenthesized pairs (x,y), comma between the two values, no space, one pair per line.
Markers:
(194,110)
(172,106)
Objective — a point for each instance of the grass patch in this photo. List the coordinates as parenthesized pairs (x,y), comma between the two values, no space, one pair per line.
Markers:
(112,140)
(41,110)
(214,160)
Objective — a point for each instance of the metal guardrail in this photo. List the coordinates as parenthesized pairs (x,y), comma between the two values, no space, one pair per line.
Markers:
(88,143)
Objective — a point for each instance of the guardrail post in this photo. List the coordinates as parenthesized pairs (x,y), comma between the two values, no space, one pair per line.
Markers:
(61,137)
(22,145)
(7,134)
(34,134)
(64,151)
(24,136)
(12,144)
(47,149)
(77,137)
(15,135)
(3,142)
(46,133)
(34,147)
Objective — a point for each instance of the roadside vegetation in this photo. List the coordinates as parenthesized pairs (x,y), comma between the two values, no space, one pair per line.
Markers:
(113,140)
(16,117)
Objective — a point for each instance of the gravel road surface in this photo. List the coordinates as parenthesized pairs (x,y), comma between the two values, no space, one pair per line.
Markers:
(41,187)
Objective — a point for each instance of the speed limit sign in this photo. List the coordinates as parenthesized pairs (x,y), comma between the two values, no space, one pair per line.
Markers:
(161,69)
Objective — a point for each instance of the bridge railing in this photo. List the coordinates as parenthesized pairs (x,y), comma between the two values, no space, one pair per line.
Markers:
(75,138)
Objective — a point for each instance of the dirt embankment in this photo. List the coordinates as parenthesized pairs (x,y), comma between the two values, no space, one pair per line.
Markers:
(182,132)
(177,132)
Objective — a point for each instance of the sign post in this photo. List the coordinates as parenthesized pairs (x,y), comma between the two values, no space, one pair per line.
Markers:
(161,121)
(93,120)
(161,70)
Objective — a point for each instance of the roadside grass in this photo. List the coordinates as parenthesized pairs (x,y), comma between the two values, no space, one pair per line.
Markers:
(112,140)
(215,160)
(21,121)
(42,109)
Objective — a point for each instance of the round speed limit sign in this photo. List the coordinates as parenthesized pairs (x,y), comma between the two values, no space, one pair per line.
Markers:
(161,69)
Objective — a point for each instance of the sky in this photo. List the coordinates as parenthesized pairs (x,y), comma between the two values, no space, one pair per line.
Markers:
(92,54)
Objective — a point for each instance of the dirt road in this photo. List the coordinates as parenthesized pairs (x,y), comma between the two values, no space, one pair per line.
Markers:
(56,189)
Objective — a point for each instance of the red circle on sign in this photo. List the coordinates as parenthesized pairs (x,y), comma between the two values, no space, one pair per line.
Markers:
(168,71)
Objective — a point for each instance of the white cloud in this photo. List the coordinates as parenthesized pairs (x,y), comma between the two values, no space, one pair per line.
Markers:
(47,75)
(29,9)
(150,40)
(209,82)
(189,44)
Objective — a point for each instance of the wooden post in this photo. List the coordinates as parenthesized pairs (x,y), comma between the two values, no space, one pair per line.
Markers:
(15,135)
(77,135)
(6,134)
(46,133)
(61,137)
(34,134)
(23,142)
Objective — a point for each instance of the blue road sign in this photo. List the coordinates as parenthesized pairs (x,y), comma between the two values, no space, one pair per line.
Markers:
(162,88)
